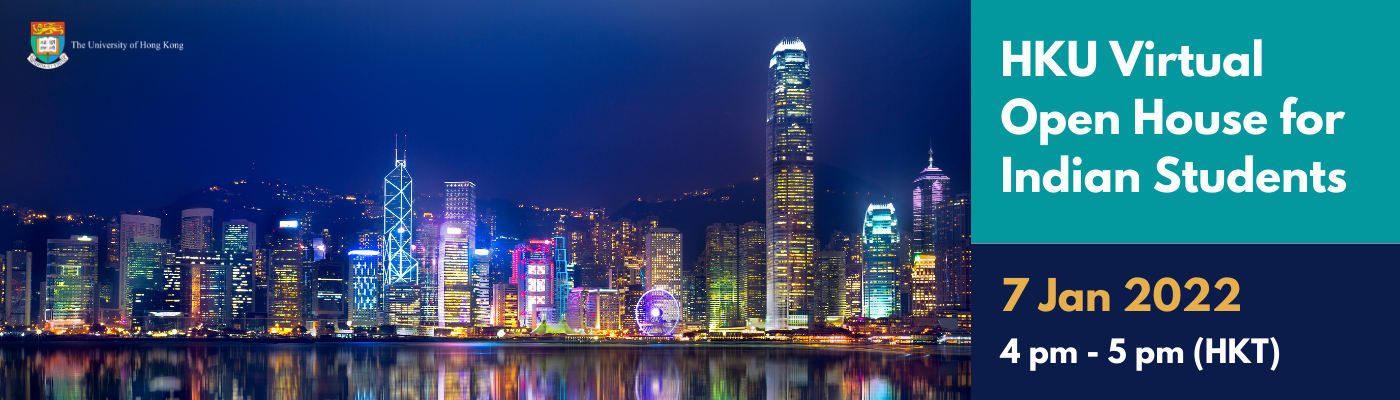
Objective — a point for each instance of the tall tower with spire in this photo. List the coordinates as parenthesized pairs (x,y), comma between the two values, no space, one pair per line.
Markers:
(790,185)
(400,268)
(929,193)
(929,190)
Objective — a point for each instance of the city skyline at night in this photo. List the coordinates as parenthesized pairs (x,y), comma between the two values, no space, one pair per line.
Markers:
(613,199)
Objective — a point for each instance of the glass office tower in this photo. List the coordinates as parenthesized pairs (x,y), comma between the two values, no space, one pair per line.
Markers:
(71,281)
(880,278)
(789,194)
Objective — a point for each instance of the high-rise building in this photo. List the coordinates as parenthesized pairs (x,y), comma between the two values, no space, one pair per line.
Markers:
(481,287)
(72,279)
(196,229)
(753,255)
(131,227)
(108,276)
(427,248)
(924,289)
(286,308)
(662,269)
(401,286)
(880,279)
(457,255)
(696,293)
(505,305)
(830,285)
(953,249)
(329,302)
(145,280)
(854,267)
(18,295)
(594,310)
(929,190)
(789,195)
(725,275)
(220,286)
(240,235)
(533,264)
(563,277)
(239,252)
(365,285)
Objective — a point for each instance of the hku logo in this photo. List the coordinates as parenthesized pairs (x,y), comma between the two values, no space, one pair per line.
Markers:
(46,38)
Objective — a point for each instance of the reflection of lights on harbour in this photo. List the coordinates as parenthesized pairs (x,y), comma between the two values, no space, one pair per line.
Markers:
(495,369)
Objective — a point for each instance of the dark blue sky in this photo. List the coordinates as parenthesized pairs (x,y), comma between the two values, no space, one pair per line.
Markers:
(549,103)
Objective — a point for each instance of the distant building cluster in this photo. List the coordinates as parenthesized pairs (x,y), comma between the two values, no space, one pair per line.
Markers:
(419,273)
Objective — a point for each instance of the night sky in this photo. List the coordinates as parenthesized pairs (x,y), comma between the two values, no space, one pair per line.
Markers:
(548,103)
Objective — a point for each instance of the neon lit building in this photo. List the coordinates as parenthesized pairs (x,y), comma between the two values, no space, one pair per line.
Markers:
(456,255)
(929,189)
(364,286)
(72,278)
(563,276)
(481,287)
(505,305)
(400,267)
(880,278)
(789,193)
(533,273)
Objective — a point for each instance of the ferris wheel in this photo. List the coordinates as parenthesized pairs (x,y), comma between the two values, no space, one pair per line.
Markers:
(658,312)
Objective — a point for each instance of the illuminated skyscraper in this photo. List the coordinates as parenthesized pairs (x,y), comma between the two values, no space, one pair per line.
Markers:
(145,278)
(753,255)
(879,280)
(457,254)
(196,229)
(400,268)
(533,267)
(594,310)
(288,277)
(18,296)
(329,294)
(427,249)
(240,235)
(131,228)
(505,305)
(925,290)
(563,279)
(929,189)
(829,285)
(953,247)
(663,261)
(365,285)
(72,278)
(481,287)
(724,274)
(789,194)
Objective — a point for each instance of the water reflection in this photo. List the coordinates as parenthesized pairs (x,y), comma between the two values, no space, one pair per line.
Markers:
(373,371)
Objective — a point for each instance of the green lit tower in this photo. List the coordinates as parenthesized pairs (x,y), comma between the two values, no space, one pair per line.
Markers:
(724,273)
(72,279)
(880,278)
(789,194)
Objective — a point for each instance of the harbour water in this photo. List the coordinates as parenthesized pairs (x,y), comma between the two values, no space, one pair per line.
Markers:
(479,370)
